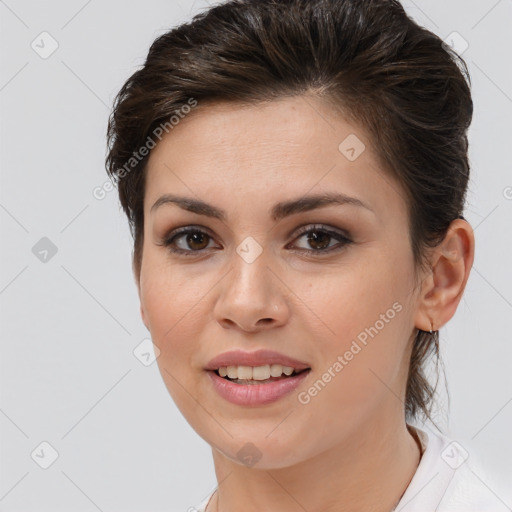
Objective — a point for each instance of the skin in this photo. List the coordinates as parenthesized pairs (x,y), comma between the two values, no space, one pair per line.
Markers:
(349,446)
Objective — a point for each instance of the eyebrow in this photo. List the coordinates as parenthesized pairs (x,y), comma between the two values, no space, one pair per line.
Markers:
(278,212)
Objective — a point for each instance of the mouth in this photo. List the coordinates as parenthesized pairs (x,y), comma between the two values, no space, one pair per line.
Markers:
(247,375)
(258,360)
(256,390)
(223,372)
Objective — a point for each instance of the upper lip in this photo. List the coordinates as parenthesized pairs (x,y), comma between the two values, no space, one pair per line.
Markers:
(258,358)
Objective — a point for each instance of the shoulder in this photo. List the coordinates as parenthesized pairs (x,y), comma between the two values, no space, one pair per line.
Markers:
(474,490)
(450,479)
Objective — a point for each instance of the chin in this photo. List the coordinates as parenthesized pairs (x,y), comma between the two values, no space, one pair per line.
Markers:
(259,451)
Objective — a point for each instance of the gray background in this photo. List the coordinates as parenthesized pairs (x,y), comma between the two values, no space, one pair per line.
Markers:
(70,324)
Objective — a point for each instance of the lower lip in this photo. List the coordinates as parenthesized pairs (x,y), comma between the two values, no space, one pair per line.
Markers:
(256,394)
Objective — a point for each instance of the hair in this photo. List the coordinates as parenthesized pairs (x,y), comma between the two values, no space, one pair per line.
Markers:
(367,58)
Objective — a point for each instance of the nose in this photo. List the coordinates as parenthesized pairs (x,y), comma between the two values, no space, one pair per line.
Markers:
(252,296)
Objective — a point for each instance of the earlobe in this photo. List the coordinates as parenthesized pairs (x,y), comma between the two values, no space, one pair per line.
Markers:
(443,287)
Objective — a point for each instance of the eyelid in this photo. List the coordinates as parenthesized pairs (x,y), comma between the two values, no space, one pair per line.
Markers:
(169,237)
(343,238)
(320,227)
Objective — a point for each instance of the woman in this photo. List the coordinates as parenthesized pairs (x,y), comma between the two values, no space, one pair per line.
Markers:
(294,173)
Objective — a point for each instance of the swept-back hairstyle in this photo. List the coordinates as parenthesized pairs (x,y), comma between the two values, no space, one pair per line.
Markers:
(365,58)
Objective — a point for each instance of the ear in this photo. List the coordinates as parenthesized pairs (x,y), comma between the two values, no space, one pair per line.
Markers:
(442,288)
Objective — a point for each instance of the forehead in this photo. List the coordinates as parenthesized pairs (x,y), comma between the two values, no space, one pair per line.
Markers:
(237,130)
(286,146)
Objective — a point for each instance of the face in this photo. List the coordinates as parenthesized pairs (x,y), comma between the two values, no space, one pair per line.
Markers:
(328,284)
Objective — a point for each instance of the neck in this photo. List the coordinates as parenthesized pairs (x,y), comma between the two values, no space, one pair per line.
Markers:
(369,470)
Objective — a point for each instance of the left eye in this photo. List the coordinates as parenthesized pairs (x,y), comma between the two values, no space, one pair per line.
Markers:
(318,237)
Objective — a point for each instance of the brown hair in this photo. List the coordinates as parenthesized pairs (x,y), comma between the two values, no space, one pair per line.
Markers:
(367,57)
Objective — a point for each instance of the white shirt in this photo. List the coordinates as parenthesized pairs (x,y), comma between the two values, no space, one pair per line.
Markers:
(446,480)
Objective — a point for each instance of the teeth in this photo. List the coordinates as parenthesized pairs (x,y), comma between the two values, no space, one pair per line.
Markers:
(232,372)
(255,372)
(258,372)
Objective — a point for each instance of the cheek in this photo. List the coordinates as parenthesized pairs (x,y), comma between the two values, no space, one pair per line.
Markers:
(344,301)
(364,318)
(172,308)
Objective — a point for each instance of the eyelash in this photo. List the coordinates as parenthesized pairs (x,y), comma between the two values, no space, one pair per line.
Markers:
(315,228)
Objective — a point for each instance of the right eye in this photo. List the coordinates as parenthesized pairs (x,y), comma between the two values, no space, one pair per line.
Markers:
(194,238)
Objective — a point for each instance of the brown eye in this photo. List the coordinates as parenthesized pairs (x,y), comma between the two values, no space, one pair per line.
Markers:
(190,241)
(187,241)
(196,240)
(319,238)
